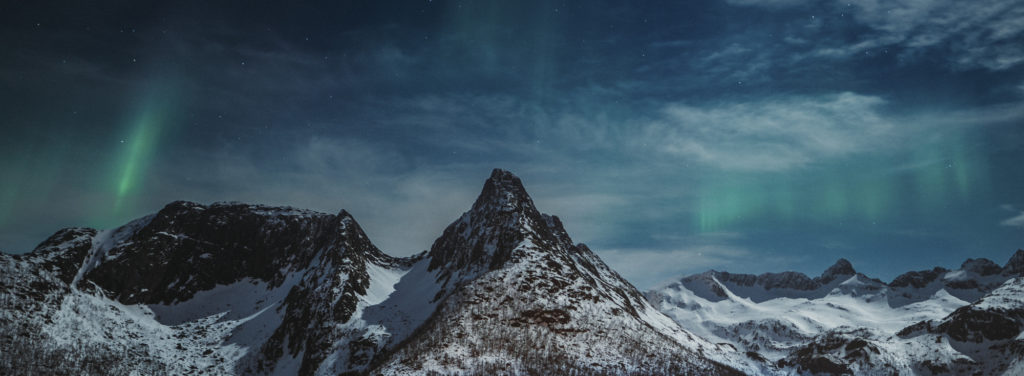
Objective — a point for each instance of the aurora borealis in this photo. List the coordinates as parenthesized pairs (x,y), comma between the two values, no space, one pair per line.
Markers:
(671,137)
(138,150)
(938,178)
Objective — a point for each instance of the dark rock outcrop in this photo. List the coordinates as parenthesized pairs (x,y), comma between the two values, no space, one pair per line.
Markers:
(842,268)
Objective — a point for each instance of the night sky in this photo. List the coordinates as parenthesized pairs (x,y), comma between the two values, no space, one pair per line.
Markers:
(672,137)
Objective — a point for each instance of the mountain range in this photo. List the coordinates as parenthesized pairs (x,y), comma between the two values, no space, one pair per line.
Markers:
(937,321)
(239,289)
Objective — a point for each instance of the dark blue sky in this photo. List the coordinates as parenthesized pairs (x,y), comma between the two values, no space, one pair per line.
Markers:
(672,137)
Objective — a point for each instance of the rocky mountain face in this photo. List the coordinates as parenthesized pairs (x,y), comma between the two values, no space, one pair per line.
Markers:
(938,321)
(974,279)
(246,289)
(521,298)
(262,278)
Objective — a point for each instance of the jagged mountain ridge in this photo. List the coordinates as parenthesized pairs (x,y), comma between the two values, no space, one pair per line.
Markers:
(711,285)
(246,289)
(284,270)
(850,324)
(981,338)
(199,247)
(971,281)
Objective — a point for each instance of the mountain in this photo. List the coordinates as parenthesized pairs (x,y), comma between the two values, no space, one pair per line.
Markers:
(981,338)
(974,279)
(713,285)
(519,297)
(845,322)
(233,288)
(240,289)
(225,288)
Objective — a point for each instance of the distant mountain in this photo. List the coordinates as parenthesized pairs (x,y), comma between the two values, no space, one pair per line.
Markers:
(974,279)
(981,338)
(845,322)
(233,288)
(716,286)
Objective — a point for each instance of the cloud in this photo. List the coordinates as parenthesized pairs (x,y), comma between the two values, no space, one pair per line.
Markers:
(980,34)
(738,63)
(1017,221)
(771,135)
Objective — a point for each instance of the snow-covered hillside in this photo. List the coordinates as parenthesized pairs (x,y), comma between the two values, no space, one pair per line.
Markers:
(220,289)
(843,321)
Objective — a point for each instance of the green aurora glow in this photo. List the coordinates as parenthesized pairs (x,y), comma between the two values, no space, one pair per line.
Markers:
(933,178)
(138,151)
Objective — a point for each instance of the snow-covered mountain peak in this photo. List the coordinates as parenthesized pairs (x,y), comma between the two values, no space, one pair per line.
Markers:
(187,247)
(234,288)
(510,275)
(841,268)
(981,266)
(502,220)
(712,285)
(503,191)
(1009,295)
(918,279)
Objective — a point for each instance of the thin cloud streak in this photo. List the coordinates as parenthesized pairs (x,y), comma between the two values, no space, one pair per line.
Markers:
(773,135)
(1017,221)
(985,34)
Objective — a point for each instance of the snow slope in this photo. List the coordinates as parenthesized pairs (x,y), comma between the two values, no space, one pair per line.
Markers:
(982,338)
(843,321)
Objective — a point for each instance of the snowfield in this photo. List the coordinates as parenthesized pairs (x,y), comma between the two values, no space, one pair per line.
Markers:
(846,322)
